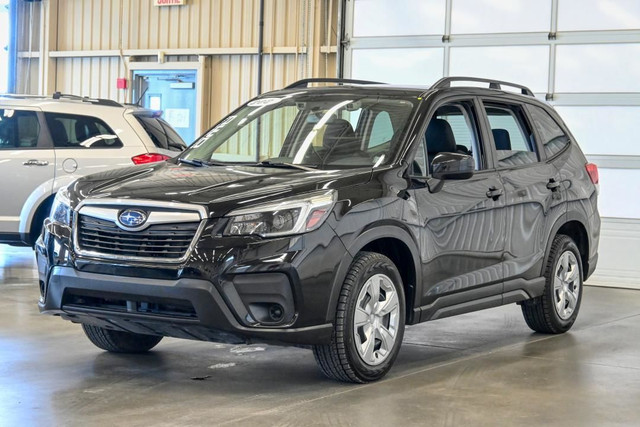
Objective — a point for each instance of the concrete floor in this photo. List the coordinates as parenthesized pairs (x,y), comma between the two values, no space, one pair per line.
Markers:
(484,368)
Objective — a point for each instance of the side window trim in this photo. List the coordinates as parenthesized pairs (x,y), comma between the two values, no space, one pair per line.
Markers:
(45,141)
(490,157)
(483,100)
(542,154)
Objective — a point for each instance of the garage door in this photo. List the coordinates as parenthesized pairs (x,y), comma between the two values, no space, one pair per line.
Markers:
(583,56)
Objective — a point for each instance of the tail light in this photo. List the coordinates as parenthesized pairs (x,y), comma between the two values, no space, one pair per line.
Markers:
(142,159)
(592,170)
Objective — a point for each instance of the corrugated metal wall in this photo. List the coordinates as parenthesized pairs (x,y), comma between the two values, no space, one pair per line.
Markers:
(88,44)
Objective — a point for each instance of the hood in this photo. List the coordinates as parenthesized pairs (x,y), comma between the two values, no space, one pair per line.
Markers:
(219,188)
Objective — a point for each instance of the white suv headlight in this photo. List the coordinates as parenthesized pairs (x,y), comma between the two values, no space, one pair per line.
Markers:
(61,209)
(288,216)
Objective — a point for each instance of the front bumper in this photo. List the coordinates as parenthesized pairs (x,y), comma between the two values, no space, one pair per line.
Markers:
(233,290)
(183,308)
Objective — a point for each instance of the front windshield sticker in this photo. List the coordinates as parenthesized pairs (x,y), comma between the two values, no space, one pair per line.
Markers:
(215,130)
(263,102)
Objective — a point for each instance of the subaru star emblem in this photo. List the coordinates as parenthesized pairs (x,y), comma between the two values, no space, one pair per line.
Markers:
(132,218)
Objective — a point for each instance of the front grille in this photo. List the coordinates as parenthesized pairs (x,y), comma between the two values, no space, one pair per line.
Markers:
(166,241)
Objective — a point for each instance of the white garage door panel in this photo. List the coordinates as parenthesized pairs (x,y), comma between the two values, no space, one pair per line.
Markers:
(499,16)
(604,130)
(404,66)
(598,68)
(619,194)
(619,258)
(391,18)
(527,65)
(598,15)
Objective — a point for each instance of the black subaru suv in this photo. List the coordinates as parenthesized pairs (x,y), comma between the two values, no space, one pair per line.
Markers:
(331,217)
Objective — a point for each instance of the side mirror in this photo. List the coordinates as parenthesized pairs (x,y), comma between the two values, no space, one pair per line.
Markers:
(450,166)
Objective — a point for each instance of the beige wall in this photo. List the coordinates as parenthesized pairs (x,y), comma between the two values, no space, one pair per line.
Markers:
(82,46)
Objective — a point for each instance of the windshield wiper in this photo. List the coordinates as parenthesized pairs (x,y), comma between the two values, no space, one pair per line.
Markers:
(200,163)
(285,165)
(214,163)
(192,162)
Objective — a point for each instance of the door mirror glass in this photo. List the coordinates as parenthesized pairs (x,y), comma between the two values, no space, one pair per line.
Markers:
(450,166)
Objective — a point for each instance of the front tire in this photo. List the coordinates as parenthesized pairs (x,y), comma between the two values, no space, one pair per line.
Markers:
(556,310)
(118,341)
(369,324)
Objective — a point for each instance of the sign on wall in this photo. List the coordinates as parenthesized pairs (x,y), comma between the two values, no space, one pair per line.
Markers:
(169,2)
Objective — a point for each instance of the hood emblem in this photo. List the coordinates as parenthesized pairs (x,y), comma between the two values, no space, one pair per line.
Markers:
(132,218)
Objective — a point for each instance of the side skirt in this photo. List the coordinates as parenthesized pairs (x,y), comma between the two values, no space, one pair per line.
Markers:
(513,291)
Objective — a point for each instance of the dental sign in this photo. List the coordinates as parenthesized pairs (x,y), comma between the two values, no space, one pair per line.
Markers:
(169,2)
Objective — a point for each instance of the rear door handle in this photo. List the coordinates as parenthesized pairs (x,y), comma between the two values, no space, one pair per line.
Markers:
(553,185)
(34,162)
(494,193)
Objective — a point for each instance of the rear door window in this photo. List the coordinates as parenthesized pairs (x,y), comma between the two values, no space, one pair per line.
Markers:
(512,135)
(76,131)
(161,133)
(552,136)
(19,129)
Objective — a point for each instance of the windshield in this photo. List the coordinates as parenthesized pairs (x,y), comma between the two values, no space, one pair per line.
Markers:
(319,131)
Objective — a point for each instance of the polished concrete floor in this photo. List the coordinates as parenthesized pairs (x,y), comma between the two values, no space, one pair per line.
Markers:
(484,368)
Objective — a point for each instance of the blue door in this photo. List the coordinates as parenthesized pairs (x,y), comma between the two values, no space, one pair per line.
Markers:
(174,93)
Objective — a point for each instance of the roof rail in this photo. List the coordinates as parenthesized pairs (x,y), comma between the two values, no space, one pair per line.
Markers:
(97,101)
(493,84)
(306,82)
(21,96)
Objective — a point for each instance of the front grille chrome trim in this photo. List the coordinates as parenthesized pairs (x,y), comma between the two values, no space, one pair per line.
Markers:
(155,217)
(129,203)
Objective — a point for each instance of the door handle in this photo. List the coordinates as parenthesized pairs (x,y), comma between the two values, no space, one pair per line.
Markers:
(553,185)
(34,162)
(494,193)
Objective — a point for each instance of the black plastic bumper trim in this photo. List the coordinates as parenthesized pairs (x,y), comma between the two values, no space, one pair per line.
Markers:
(214,318)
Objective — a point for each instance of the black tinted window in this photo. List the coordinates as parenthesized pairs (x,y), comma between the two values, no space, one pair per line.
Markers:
(18,129)
(75,131)
(161,133)
(553,137)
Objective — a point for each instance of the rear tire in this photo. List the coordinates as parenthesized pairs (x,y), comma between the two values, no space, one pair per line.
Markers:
(118,341)
(555,311)
(369,323)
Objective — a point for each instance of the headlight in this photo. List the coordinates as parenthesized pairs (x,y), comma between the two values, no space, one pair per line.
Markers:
(289,216)
(61,209)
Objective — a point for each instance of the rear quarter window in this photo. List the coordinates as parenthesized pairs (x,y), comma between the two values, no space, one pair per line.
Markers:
(161,133)
(551,134)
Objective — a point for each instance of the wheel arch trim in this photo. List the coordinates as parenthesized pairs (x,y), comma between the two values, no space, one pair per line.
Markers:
(371,234)
(567,218)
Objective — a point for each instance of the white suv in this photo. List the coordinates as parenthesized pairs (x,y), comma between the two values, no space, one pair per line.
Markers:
(47,142)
